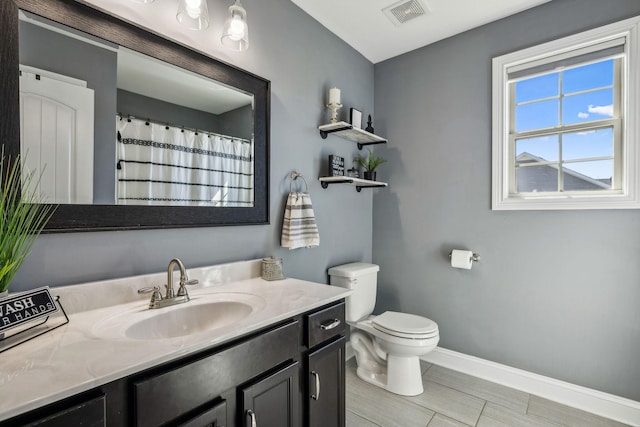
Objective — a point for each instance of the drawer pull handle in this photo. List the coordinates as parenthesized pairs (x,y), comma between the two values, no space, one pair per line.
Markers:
(330,324)
(316,395)
(252,415)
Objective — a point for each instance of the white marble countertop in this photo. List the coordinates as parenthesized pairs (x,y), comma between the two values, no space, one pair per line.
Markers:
(85,353)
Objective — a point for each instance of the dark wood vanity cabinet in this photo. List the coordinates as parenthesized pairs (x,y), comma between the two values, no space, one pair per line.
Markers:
(325,362)
(290,374)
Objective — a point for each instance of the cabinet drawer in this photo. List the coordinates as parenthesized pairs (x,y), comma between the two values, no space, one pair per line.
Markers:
(325,324)
(162,398)
(90,413)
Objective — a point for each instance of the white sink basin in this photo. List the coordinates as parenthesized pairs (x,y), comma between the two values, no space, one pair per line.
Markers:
(203,313)
(187,320)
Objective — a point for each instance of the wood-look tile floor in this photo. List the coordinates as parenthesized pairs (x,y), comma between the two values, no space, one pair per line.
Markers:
(453,399)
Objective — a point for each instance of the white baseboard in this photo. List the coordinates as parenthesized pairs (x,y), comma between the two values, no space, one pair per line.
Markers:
(607,405)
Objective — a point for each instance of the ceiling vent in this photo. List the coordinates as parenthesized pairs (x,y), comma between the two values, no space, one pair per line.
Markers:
(405,11)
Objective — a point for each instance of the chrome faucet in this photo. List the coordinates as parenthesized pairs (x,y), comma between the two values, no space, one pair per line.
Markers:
(183,274)
(171,297)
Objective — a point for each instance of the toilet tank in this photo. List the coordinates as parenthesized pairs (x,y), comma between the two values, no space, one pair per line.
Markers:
(362,279)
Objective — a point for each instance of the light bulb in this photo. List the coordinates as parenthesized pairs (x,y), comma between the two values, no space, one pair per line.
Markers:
(236,28)
(194,8)
(235,34)
(193,14)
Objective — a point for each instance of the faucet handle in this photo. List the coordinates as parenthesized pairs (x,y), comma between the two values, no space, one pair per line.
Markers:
(182,290)
(155,296)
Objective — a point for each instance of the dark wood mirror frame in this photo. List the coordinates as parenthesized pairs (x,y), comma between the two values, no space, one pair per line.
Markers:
(120,217)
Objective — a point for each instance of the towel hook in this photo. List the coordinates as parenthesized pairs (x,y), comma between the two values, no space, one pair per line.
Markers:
(295,175)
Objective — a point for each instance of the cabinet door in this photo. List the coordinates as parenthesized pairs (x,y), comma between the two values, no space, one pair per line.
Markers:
(216,416)
(90,413)
(272,401)
(326,387)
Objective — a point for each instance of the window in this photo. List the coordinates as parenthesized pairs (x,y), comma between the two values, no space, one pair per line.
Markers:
(563,137)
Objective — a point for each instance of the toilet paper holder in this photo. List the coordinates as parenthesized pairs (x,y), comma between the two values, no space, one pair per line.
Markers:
(474,257)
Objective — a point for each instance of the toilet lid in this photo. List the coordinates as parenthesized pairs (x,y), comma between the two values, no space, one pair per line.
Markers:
(405,325)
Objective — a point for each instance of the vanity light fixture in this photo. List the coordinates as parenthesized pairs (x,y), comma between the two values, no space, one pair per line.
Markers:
(235,34)
(193,14)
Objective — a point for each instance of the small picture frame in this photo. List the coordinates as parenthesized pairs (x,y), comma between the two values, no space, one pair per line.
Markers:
(356,118)
(336,165)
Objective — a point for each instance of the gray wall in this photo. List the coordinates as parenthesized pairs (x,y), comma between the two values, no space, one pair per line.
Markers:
(556,293)
(143,107)
(315,60)
(238,122)
(55,52)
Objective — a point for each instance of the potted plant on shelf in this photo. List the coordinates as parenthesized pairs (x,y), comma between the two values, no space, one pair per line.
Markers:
(23,216)
(370,163)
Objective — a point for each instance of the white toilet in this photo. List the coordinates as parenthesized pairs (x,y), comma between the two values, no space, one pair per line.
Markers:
(388,345)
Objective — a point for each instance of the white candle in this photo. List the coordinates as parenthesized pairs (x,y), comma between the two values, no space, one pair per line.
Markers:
(334,96)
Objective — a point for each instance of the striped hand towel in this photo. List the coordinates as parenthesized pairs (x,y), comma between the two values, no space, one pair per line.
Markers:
(299,229)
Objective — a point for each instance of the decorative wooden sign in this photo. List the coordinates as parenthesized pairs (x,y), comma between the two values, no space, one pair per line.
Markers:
(336,165)
(25,307)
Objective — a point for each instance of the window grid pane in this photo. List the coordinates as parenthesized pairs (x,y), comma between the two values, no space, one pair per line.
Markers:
(537,178)
(535,162)
(588,176)
(588,144)
(537,115)
(599,105)
(537,88)
(590,76)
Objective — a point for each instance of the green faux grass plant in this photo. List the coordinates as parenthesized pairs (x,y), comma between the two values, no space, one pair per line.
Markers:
(371,162)
(23,217)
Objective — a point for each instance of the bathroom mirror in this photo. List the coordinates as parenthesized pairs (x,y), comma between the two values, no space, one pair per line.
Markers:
(207,110)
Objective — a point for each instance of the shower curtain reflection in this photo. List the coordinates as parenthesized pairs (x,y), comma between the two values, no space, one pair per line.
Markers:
(159,164)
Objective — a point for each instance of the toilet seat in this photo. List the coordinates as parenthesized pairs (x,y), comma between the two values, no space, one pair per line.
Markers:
(404,325)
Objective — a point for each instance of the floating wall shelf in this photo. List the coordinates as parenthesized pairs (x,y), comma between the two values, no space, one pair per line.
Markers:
(348,132)
(359,183)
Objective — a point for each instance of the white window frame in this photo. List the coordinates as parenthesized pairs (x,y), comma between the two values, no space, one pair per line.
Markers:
(503,170)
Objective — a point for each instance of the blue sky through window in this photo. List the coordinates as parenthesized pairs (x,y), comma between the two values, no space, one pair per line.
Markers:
(583,94)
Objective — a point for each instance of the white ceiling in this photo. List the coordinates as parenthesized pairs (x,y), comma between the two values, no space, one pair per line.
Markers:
(151,77)
(363,25)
